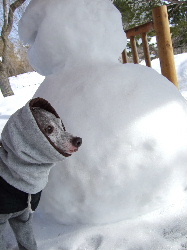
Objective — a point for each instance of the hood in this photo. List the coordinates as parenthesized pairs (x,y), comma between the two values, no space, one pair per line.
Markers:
(26,154)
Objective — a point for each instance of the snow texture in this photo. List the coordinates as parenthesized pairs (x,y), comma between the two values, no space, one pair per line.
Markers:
(63,31)
(133,121)
(134,136)
(161,229)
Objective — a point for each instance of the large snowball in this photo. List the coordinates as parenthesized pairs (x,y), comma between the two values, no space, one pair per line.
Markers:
(133,159)
(66,31)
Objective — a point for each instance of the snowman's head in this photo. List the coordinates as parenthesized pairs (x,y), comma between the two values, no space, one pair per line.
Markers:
(62,31)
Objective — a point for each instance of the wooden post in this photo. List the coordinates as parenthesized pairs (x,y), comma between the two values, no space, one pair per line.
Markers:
(165,48)
(134,49)
(124,56)
(146,49)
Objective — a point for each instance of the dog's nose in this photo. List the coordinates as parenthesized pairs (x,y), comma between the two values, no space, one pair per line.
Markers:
(76,141)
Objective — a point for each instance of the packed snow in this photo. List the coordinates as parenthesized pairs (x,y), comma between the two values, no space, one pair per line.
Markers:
(75,31)
(130,140)
(165,228)
(126,187)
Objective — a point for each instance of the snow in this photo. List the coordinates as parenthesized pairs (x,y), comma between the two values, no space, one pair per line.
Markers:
(164,228)
(24,87)
(126,186)
(122,148)
(90,19)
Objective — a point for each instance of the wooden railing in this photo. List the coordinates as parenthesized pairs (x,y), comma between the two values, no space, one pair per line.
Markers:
(131,34)
(165,49)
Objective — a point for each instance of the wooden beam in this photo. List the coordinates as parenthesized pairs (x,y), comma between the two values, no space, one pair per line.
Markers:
(124,56)
(134,50)
(146,49)
(165,48)
(144,28)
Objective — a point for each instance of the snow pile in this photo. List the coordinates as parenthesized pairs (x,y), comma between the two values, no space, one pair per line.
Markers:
(181,64)
(133,121)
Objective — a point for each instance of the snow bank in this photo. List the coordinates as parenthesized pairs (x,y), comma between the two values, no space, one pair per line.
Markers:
(181,64)
(181,67)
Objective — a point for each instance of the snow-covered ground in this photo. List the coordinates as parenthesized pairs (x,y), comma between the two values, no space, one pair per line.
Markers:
(165,228)
(125,189)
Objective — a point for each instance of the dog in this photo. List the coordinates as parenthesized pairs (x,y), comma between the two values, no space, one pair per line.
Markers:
(32,141)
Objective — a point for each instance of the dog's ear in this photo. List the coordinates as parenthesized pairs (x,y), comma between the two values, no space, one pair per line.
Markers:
(38,102)
(43,104)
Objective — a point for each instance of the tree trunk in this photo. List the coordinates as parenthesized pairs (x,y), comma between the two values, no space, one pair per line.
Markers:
(4,68)
(4,82)
(8,14)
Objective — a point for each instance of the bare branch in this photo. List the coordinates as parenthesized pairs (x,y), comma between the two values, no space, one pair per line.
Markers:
(7,27)
(16,4)
(5,12)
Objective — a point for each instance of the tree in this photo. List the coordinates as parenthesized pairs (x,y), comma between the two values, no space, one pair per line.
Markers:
(177,11)
(139,12)
(135,13)
(8,18)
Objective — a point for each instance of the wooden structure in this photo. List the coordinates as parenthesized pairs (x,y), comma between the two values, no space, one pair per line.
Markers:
(140,30)
(165,49)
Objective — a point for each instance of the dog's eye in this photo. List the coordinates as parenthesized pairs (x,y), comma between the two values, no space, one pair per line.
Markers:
(49,129)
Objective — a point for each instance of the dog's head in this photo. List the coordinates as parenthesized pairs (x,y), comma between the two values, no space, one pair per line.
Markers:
(52,127)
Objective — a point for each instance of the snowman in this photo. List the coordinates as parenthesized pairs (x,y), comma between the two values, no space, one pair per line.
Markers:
(133,121)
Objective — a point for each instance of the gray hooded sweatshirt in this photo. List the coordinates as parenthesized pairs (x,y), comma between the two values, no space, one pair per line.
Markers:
(27,155)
